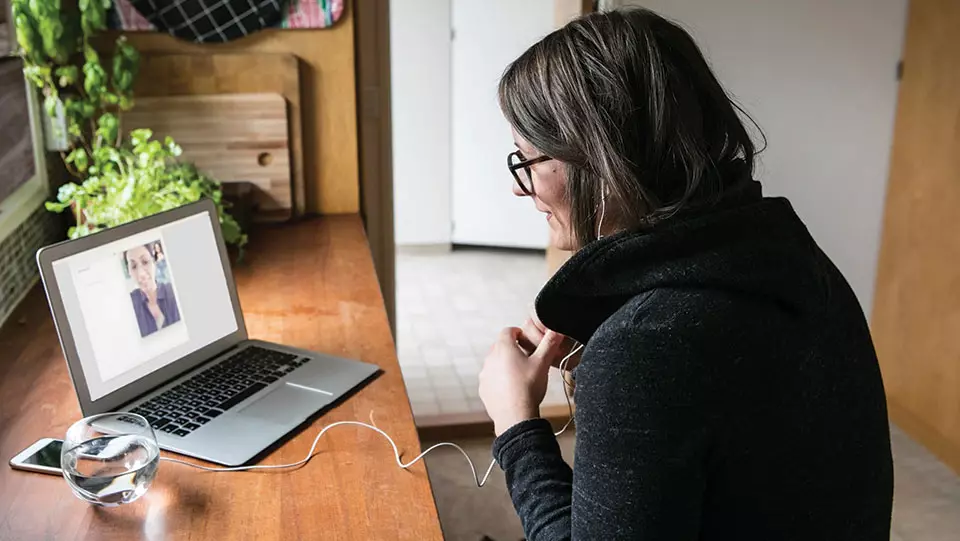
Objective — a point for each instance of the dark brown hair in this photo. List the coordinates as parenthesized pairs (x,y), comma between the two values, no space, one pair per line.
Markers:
(627,101)
(148,246)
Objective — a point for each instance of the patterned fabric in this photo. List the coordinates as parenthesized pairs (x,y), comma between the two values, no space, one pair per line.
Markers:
(206,21)
(128,18)
(298,14)
(313,13)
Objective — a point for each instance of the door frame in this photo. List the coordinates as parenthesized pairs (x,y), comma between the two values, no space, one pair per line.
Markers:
(375,142)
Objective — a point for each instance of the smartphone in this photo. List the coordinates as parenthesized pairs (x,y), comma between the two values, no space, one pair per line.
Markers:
(43,457)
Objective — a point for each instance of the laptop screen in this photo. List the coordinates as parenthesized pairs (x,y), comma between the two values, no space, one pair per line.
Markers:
(140,303)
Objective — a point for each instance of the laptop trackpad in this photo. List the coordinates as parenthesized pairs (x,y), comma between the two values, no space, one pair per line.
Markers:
(286,404)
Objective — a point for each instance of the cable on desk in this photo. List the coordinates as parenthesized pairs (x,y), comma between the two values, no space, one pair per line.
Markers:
(396,452)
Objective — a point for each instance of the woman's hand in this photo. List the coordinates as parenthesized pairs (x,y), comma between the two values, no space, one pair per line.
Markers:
(532,334)
(512,383)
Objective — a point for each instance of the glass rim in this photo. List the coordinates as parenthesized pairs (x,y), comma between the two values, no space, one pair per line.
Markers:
(91,418)
(140,427)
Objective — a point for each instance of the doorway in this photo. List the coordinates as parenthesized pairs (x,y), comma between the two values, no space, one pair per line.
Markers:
(469,254)
(484,210)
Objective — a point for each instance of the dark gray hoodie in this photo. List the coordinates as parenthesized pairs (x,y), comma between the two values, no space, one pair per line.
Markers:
(728,389)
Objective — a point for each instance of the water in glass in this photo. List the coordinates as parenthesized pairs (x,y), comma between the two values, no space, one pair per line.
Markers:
(108,468)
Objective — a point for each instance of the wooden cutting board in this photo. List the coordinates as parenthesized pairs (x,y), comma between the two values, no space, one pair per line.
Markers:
(166,74)
(231,137)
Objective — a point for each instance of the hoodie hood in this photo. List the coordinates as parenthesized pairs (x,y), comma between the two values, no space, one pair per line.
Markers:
(757,248)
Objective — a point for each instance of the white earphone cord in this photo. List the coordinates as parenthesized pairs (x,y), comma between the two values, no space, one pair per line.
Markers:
(603,211)
(396,452)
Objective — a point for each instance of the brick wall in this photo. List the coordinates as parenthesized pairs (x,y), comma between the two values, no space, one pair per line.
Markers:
(18,263)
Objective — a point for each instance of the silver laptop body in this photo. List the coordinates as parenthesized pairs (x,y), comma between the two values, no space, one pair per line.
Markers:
(149,321)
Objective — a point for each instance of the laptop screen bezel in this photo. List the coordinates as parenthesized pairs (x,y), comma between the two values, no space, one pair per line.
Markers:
(47,256)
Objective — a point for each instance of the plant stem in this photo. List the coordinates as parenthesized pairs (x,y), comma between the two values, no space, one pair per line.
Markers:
(70,169)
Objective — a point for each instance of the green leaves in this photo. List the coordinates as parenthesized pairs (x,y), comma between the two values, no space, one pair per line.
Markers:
(126,65)
(137,178)
(28,37)
(120,179)
(55,207)
(38,75)
(108,127)
(93,15)
(232,234)
(45,33)
(77,112)
(59,60)
(94,76)
(67,75)
(172,148)
(50,105)
(140,137)
(78,158)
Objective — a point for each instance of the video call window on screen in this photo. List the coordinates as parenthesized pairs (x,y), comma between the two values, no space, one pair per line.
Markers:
(137,304)
(151,287)
(132,311)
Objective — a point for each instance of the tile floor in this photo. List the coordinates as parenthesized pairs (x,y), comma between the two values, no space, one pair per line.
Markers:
(926,499)
(450,307)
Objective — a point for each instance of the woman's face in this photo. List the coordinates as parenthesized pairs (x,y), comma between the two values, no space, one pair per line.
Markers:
(142,268)
(549,194)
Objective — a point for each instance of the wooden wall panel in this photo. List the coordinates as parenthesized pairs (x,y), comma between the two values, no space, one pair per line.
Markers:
(233,138)
(328,94)
(916,315)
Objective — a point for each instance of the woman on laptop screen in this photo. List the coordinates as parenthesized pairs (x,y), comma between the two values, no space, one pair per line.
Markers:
(154,301)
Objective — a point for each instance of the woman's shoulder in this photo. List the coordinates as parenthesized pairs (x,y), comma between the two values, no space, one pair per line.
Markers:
(667,322)
(690,309)
(652,343)
(166,287)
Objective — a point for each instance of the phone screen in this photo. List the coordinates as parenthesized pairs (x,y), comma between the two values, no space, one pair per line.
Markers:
(48,456)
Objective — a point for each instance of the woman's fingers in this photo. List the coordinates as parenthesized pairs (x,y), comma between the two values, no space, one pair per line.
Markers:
(547,350)
(531,336)
(509,336)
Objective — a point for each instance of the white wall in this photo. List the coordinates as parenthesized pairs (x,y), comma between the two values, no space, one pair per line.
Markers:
(819,77)
(420,94)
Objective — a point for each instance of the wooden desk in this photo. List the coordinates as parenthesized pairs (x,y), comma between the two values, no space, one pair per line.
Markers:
(310,285)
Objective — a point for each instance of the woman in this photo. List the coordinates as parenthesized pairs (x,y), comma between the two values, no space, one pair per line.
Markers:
(728,387)
(153,302)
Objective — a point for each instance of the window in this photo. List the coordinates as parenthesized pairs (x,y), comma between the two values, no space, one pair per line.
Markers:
(23,179)
(6,29)
(16,142)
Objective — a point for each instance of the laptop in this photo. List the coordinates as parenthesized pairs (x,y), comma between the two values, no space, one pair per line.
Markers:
(149,322)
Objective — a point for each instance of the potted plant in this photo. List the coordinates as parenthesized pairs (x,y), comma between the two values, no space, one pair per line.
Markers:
(117,177)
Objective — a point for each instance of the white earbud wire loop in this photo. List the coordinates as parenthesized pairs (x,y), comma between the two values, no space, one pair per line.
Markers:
(567,389)
(603,211)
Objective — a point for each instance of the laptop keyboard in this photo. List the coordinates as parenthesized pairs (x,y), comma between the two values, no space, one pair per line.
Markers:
(193,403)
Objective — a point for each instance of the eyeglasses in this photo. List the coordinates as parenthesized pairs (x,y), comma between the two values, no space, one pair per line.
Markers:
(520,169)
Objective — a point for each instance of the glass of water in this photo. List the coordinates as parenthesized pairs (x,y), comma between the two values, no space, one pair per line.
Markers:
(110,459)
